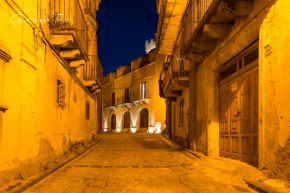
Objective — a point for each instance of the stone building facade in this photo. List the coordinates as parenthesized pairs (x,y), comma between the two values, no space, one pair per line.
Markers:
(49,78)
(131,97)
(237,53)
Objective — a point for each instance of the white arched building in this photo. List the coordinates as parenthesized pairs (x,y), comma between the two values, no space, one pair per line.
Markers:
(131,101)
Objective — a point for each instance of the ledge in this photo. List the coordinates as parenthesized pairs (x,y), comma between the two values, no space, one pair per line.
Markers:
(3,107)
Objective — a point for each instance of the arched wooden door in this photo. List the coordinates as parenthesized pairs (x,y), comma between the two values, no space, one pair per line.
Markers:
(144,118)
(127,120)
(113,121)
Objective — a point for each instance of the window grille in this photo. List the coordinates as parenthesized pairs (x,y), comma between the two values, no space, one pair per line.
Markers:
(61,93)
(87,110)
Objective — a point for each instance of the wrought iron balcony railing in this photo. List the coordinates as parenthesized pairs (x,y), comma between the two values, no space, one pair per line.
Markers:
(194,14)
(67,16)
(137,95)
(92,68)
(109,103)
(120,100)
(177,69)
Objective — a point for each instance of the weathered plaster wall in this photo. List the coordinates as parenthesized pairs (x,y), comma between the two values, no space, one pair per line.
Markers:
(274,90)
(207,125)
(34,126)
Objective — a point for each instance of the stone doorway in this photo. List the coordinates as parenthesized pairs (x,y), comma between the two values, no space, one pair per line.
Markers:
(239,112)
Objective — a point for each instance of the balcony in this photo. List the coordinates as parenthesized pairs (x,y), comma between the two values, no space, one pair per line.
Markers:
(120,101)
(109,105)
(137,98)
(207,23)
(174,78)
(170,15)
(69,29)
(92,74)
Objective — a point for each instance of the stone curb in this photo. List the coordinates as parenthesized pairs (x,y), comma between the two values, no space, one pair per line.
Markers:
(196,154)
(262,187)
(43,175)
(259,187)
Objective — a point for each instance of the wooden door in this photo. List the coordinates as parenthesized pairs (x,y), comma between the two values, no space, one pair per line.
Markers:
(127,120)
(239,118)
(113,122)
(144,118)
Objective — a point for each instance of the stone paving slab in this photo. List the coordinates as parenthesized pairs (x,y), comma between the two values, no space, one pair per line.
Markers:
(143,163)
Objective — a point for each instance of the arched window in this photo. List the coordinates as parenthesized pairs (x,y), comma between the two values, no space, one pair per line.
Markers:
(113,121)
(127,120)
(144,118)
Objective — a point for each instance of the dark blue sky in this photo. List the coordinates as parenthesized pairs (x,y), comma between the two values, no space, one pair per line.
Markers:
(123,28)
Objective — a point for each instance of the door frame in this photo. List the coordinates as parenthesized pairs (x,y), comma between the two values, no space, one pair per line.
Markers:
(237,76)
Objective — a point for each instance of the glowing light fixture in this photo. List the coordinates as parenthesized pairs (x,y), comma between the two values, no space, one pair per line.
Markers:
(119,130)
(158,127)
(151,129)
(105,129)
(133,129)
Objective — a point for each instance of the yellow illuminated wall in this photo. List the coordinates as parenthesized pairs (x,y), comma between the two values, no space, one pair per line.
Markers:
(34,126)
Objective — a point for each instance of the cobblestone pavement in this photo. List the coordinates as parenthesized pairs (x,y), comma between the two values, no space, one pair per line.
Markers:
(140,163)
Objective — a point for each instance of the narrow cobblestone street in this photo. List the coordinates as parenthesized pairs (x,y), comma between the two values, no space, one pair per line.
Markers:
(141,163)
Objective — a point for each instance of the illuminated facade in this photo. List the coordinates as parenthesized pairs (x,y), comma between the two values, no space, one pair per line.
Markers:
(233,56)
(49,78)
(131,97)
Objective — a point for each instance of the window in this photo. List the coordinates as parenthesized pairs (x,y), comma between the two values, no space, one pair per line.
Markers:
(127,96)
(252,56)
(113,99)
(144,90)
(60,93)
(181,114)
(240,64)
(87,110)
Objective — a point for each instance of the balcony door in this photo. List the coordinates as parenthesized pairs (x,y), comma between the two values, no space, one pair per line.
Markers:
(144,90)
(127,98)
(113,99)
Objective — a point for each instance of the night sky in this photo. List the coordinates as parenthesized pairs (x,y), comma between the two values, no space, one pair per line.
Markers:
(123,28)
